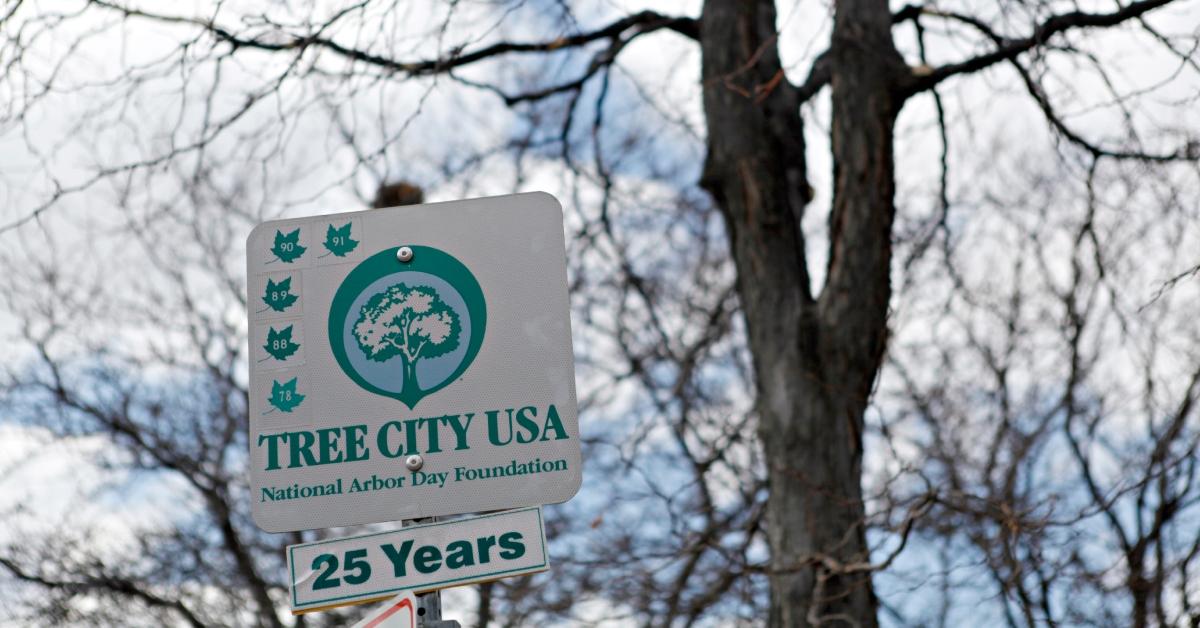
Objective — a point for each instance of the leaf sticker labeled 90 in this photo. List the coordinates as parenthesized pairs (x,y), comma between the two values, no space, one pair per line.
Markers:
(285,247)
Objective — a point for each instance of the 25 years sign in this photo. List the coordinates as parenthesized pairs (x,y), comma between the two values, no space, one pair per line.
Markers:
(411,362)
(358,569)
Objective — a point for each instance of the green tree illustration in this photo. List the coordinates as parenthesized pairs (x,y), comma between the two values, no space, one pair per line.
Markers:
(413,323)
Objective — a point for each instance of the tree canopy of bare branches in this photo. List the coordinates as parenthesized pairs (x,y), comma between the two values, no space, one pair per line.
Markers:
(882,312)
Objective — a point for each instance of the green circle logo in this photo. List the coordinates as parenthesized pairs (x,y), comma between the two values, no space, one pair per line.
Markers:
(407,329)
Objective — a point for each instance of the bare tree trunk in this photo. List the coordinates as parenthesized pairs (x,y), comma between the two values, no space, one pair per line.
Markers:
(1139,589)
(485,604)
(218,503)
(815,360)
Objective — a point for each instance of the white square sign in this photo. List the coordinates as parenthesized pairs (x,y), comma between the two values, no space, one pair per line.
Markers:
(410,362)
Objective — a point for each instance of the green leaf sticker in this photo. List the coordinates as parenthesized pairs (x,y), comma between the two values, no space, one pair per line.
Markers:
(280,344)
(287,247)
(284,396)
(338,241)
(278,296)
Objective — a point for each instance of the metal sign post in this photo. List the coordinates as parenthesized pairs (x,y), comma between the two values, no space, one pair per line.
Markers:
(429,613)
(429,606)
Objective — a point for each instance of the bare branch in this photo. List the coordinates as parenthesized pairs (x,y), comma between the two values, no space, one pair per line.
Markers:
(644,22)
(1008,49)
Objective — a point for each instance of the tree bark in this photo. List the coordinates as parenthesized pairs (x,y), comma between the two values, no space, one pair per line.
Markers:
(485,604)
(815,359)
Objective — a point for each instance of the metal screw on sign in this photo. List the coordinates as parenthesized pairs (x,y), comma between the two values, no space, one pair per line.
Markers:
(404,254)
(414,462)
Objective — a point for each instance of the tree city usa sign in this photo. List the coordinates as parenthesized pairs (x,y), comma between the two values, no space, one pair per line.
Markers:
(410,362)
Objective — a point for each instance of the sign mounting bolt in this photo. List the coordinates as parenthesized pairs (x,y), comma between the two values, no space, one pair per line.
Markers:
(414,462)
(404,254)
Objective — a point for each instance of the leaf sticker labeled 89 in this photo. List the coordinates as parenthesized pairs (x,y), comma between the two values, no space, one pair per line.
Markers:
(277,295)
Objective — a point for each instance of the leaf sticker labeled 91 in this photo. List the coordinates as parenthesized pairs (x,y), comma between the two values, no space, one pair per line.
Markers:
(341,241)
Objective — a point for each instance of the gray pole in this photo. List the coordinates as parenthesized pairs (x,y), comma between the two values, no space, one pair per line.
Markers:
(429,606)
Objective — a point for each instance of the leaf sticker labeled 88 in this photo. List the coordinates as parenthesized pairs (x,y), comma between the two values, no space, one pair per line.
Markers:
(279,345)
